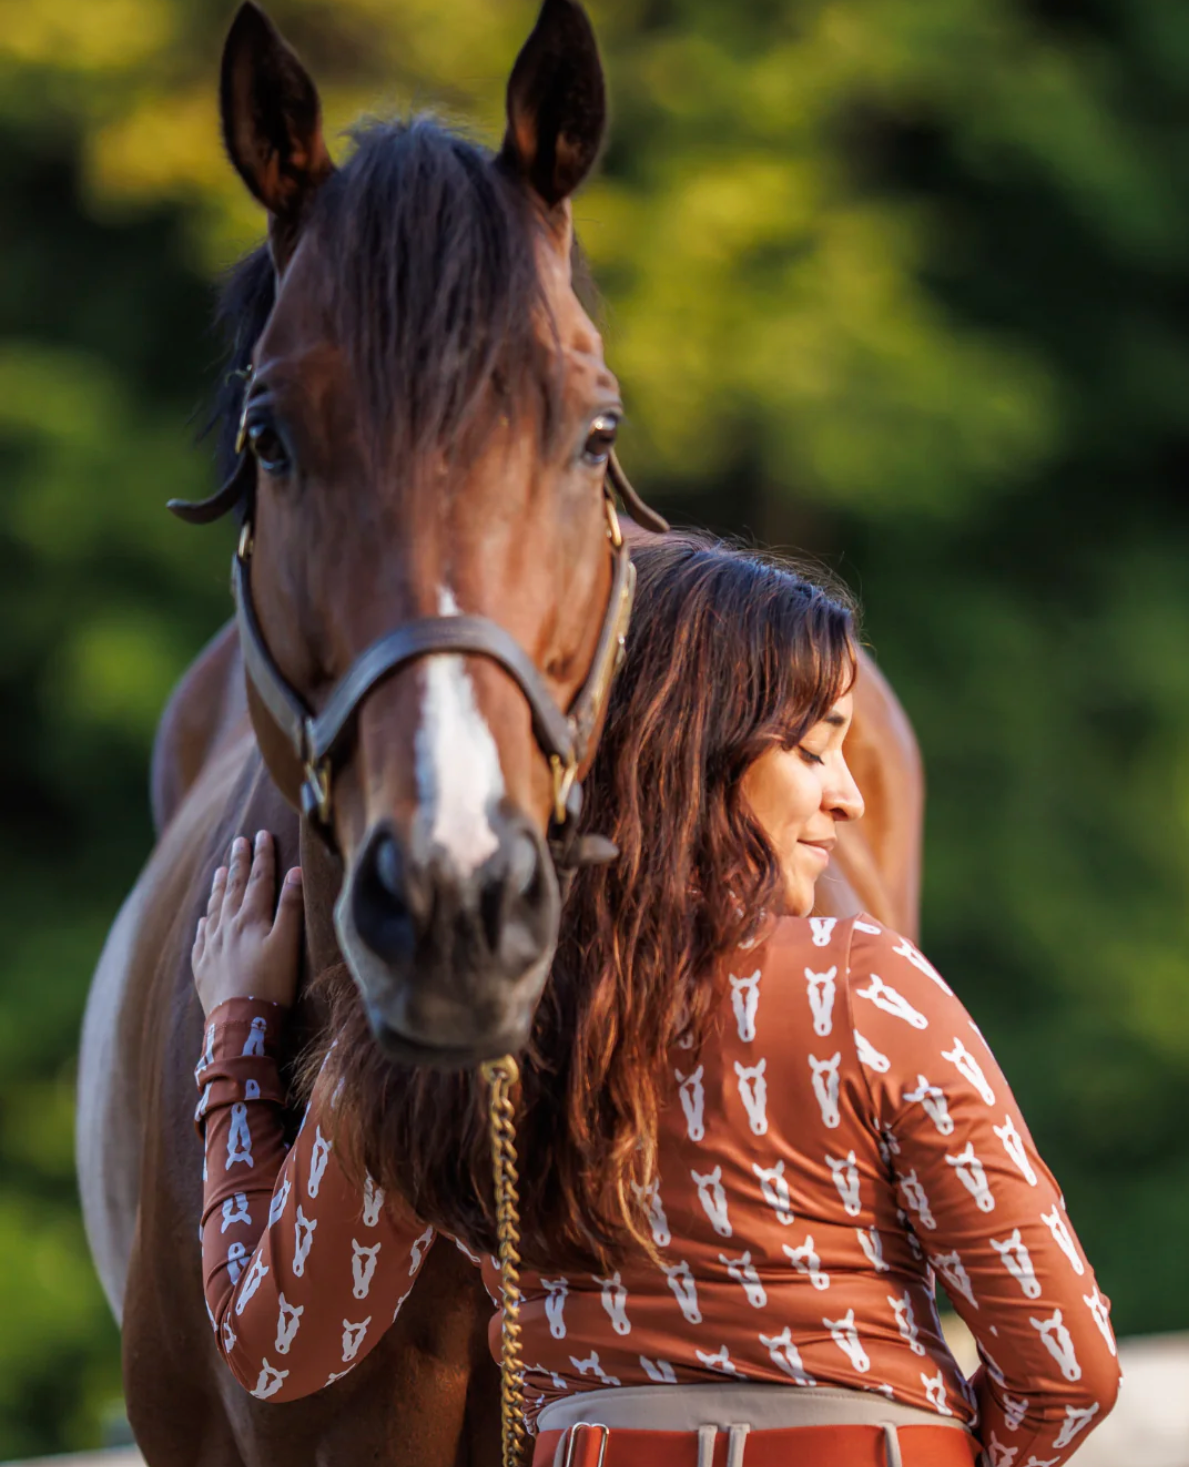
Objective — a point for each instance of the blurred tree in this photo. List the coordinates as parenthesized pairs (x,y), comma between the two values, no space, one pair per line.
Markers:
(900,282)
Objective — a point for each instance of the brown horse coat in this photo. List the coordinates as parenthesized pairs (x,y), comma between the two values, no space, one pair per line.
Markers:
(431,1384)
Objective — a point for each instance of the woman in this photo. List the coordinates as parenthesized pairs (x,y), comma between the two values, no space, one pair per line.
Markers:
(750,1136)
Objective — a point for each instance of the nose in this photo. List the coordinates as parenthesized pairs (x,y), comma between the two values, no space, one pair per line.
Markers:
(846,798)
(419,914)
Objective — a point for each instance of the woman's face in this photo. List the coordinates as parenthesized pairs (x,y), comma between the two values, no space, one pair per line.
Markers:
(799,795)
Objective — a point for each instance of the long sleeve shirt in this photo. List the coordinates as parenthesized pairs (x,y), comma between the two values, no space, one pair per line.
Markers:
(842,1139)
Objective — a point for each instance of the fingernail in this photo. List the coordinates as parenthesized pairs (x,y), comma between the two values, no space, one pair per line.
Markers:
(239,846)
(294,877)
(261,837)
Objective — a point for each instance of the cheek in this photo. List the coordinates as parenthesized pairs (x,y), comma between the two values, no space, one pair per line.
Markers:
(783,794)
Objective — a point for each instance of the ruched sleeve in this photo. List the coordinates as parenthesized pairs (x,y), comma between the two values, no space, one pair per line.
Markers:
(303,1271)
(984,1206)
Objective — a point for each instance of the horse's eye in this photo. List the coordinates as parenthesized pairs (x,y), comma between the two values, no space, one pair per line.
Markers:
(603,432)
(269,448)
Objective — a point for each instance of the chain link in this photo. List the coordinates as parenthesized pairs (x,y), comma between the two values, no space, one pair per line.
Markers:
(501,1076)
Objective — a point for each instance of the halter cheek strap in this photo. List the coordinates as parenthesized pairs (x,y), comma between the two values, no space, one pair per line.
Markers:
(318,739)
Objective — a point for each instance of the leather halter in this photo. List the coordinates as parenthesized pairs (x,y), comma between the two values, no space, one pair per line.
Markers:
(566,739)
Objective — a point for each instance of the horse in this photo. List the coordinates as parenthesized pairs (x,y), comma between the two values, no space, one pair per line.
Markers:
(512,511)
(431,589)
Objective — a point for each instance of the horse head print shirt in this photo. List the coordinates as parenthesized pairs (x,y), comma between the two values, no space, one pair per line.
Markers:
(842,1140)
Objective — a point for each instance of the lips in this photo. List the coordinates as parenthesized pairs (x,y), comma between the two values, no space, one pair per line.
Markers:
(822,848)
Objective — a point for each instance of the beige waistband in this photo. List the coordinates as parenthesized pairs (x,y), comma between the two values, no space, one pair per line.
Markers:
(760,1407)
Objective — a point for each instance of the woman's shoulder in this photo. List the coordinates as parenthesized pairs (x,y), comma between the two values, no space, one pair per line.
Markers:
(859,949)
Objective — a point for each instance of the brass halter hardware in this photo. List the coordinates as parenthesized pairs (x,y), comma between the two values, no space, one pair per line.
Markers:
(318,738)
(501,1077)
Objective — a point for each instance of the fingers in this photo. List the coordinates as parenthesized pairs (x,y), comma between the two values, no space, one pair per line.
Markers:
(237,879)
(214,906)
(290,912)
(199,941)
(261,881)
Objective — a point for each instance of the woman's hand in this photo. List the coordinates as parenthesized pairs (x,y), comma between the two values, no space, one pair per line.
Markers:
(241,951)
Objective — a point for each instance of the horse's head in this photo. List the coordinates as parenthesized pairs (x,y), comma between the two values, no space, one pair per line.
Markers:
(428,424)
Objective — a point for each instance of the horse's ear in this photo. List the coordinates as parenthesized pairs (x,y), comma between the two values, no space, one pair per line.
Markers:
(557,103)
(272,124)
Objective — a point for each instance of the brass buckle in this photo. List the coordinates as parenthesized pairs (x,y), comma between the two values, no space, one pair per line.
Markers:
(614,532)
(590,1426)
(564,776)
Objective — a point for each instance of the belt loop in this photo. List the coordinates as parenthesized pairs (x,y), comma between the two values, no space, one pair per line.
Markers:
(737,1445)
(891,1439)
(706,1436)
(577,1453)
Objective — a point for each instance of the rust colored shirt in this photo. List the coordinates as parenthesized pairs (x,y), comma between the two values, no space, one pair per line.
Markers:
(843,1138)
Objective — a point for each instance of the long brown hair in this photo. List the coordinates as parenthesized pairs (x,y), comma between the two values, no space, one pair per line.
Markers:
(729,653)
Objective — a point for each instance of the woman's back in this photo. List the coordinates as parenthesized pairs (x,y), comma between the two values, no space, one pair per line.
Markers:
(843,1132)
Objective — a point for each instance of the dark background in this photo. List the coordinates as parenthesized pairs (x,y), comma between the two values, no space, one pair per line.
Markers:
(903,284)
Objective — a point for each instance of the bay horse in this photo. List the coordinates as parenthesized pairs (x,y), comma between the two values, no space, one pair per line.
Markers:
(425,391)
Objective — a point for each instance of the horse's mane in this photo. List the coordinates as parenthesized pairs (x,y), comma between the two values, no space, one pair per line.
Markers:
(431,288)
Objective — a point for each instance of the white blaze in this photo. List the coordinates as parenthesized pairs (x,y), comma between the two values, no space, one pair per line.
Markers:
(459,780)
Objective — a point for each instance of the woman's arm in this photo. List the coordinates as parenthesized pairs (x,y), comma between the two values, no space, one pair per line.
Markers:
(303,1271)
(985,1207)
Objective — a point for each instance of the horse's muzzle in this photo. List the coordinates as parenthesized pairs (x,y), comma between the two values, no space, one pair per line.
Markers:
(450,963)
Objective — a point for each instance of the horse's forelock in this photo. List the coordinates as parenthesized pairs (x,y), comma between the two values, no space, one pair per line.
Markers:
(432,289)
(433,285)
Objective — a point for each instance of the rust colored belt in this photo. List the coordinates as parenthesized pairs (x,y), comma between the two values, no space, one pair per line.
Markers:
(797,1446)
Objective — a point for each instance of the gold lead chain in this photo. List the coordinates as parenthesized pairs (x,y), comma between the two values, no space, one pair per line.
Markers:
(500,1077)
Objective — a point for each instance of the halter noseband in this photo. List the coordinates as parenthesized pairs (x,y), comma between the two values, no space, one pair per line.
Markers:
(566,739)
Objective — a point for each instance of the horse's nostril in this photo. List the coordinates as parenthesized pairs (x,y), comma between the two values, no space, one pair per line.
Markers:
(511,892)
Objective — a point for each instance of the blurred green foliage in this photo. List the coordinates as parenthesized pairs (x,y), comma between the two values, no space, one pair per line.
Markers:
(902,283)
